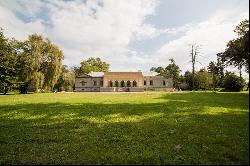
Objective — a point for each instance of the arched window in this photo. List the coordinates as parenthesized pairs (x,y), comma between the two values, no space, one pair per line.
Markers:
(134,83)
(128,83)
(164,82)
(122,83)
(116,83)
(151,82)
(110,84)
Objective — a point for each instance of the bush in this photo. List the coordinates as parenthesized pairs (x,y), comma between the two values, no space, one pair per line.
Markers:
(184,86)
(232,82)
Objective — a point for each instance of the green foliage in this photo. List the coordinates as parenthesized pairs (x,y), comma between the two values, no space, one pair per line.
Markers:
(45,61)
(66,80)
(174,71)
(233,82)
(33,64)
(159,70)
(8,62)
(93,64)
(213,69)
(188,79)
(203,79)
(192,128)
(237,51)
(76,70)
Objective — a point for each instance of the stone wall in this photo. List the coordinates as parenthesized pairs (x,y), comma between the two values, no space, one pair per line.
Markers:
(157,82)
(86,84)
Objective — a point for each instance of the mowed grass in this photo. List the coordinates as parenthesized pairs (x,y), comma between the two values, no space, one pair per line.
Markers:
(125,128)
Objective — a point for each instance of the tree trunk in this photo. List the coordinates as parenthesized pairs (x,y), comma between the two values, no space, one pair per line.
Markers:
(5,90)
(192,53)
(213,80)
(240,72)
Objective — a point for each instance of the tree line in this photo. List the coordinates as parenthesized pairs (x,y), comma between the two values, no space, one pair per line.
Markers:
(214,75)
(31,65)
(35,65)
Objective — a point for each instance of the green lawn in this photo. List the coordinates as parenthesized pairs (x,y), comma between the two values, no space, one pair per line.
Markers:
(125,128)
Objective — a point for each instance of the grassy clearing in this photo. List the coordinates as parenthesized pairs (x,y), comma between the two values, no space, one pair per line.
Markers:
(125,128)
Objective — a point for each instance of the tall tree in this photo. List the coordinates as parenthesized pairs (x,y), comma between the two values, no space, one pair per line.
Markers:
(194,54)
(51,65)
(221,67)
(203,79)
(42,63)
(94,64)
(188,76)
(77,70)
(174,71)
(7,63)
(237,50)
(212,68)
(66,80)
(232,82)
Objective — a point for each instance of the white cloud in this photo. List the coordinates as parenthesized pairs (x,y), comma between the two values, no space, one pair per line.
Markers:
(106,28)
(94,28)
(212,34)
(99,30)
(14,27)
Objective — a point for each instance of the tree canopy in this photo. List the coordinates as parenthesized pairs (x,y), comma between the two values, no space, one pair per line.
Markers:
(36,63)
(8,62)
(237,51)
(174,71)
(93,64)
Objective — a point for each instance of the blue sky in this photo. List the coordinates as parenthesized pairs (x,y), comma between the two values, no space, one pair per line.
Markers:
(131,35)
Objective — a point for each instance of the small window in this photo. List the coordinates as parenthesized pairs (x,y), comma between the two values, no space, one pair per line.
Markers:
(83,83)
(145,82)
(122,83)
(116,83)
(164,83)
(95,83)
(128,83)
(101,83)
(110,84)
(134,84)
(151,82)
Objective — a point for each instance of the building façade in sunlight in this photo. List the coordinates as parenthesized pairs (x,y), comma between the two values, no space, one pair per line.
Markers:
(123,82)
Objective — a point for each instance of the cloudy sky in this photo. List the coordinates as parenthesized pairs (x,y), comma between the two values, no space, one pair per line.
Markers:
(130,35)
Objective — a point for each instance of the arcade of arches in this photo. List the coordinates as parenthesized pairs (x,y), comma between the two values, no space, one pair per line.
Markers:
(122,83)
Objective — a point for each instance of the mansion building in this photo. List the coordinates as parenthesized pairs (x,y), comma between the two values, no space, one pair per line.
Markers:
(122,82)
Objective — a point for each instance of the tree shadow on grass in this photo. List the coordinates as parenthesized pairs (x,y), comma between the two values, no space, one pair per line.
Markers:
(176,131)
(209,99)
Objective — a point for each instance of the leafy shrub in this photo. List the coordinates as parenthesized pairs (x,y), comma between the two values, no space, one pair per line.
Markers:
(232,82)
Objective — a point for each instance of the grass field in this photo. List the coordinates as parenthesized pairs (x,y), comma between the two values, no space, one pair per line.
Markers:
(125,128)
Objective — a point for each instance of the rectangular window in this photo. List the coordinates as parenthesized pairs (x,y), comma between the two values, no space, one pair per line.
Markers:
(164,83)
(83,83)
(101,83)
(151,82)
(95,83)
(145,82)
